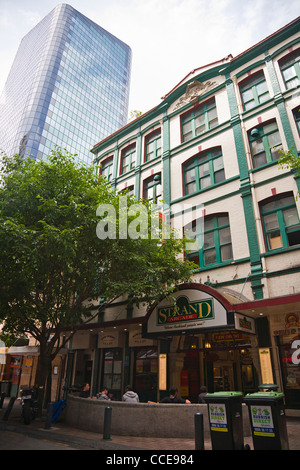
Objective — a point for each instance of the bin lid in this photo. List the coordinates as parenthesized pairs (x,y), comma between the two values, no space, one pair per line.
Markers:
(268,386)
(265,395)
(223,394)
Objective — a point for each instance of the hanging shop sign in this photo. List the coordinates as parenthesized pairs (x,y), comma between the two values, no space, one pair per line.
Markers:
(192,309)
(109,339)
(136,339)
(243,323)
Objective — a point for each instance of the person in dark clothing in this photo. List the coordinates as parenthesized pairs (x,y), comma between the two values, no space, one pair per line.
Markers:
(85,392)
(203,392)
(173,398)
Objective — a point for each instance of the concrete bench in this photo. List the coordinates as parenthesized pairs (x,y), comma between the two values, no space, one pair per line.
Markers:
(140,419)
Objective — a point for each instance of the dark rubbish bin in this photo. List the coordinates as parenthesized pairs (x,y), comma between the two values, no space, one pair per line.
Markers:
(225,420)
(268,420)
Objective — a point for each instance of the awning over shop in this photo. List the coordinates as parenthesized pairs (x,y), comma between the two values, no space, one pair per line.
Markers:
(290,303)
(195,308)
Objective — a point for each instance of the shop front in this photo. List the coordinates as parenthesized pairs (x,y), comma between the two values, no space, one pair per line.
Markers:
(209,343)
(196,338)
(287,339)
(279,343)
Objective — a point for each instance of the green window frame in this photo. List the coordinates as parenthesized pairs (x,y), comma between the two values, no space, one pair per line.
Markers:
(265,143)
(153,145)
(152,188)
(204,170)
(296,114)
(290,69)
(254,91)
(128,159)
(281,222)
(215,246)
(107,168)
(199,120)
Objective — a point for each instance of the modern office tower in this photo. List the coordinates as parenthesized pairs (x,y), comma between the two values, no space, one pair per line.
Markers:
(68,86)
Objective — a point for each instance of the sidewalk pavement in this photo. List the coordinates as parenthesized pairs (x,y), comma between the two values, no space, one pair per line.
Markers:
(61,432)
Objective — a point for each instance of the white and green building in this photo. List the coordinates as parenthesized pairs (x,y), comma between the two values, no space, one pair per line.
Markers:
(212,146)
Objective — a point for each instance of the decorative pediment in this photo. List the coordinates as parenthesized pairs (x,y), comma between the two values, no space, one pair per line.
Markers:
(193,91)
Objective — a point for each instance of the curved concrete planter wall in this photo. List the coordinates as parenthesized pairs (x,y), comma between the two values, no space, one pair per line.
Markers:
(140,419)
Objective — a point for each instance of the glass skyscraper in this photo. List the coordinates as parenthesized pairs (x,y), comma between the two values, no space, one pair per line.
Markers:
(68,86)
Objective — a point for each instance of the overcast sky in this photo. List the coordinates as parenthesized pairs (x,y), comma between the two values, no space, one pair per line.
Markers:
(168,38)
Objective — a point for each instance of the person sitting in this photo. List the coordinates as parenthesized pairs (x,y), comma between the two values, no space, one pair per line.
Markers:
(130,395)
(173,398)
(203,392)
(103,395)
(85,391)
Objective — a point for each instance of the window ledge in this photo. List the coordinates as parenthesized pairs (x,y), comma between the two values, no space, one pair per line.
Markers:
(279,251)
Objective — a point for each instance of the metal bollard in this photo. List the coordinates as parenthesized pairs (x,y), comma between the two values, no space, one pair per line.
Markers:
(3,395)
(9,408)
(199,431)
(49,415)
(107,423)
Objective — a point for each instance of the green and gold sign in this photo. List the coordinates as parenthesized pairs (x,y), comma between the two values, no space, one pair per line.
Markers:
(184,311)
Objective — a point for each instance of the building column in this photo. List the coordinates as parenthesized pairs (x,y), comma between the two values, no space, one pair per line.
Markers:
(245,189)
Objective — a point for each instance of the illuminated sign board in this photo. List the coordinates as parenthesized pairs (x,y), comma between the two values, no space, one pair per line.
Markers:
(191,309)
(185,311)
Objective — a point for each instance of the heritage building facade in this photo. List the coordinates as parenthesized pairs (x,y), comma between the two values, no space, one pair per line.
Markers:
(211,148)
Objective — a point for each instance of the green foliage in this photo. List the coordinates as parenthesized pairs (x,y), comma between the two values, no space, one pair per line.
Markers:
(289,159)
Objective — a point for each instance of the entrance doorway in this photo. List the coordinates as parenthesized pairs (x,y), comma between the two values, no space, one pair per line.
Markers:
(191,374)
(223,376)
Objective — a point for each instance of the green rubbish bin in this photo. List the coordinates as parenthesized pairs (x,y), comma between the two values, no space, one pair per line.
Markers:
(268,420)
(225,420)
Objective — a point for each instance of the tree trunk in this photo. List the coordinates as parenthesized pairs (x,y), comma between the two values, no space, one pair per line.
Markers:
(43,367)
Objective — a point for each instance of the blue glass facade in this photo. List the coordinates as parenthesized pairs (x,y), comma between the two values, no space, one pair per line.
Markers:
(68,86)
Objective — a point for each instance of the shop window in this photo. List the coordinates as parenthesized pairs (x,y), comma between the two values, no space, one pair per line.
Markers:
(146,368)
(290,69)
(128,159)
(112,370)
(287,347)
(254,91)
(203,170)
(153,145)
(265,143)
(201,119)
(214,241)
(280,222)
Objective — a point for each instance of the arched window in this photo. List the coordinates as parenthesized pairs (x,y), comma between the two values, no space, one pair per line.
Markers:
(281,222)
(265,141)
(254,90)
(213,240)
(200,119)
(107,168)
(153,145)
(128,159)
(290,69)
(203,170)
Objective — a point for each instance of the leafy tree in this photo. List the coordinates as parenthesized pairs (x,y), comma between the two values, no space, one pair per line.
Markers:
(53,267)
(290,159)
